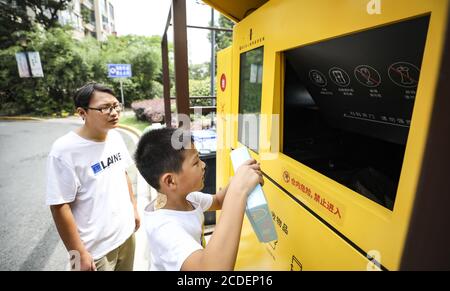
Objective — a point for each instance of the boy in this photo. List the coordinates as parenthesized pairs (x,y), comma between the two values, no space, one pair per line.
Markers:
(174,222)
(88,189)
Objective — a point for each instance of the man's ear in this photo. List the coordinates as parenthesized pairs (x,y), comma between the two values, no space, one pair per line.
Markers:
(168,181)
(82,112)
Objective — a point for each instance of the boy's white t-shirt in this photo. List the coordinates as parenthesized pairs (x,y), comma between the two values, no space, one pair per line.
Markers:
(91,177)
(174,235)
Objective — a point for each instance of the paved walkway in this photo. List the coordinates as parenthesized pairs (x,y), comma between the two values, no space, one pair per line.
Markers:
(29,238)
(144,195)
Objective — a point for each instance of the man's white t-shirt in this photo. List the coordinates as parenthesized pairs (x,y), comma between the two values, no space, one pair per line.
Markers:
(91,177)
(174,235)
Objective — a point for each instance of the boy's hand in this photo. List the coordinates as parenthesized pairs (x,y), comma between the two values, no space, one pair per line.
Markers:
(247,176)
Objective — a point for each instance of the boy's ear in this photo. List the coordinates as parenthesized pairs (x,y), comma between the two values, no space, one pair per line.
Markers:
(82,112)
(167,181)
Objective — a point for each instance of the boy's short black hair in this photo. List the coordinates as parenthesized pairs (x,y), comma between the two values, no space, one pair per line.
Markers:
(155,155)
(84,94)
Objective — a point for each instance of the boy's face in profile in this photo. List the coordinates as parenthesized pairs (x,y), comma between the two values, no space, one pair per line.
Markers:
(191,177)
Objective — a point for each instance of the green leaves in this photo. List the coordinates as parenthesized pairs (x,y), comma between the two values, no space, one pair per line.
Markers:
(69,63)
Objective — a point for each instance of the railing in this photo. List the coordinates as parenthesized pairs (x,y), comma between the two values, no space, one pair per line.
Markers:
(204,109)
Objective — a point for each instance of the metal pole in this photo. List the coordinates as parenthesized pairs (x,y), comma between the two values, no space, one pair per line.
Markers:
(181,57)
(166,80)
(121,93)
(213,59)
(209,28)
(213,64)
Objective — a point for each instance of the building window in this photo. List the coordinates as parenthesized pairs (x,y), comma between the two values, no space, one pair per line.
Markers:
(250,90)
(111,11)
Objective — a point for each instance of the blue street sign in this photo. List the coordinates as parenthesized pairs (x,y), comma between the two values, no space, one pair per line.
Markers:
(119,70)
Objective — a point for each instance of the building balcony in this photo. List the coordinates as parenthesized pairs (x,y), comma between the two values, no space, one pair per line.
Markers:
(88,4)
(89,26)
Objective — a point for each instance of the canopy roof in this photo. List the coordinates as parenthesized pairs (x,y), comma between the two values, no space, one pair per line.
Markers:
(236,10)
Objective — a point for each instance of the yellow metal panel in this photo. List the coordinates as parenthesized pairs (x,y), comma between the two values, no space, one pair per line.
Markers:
(304,243)
(282,25)
(224,78)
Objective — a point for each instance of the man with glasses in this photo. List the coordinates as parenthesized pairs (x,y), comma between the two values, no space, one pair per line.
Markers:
(88,189)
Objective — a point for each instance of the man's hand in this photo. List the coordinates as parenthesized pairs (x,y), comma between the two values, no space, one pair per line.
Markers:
(137,219)
(86,262)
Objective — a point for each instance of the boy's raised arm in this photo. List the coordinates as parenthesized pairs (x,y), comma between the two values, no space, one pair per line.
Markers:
(221,251)
(218,199)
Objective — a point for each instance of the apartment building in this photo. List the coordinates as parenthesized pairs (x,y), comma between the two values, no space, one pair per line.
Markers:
(87,17)
(90,17)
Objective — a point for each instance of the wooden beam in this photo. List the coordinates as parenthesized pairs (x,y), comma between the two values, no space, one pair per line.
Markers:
(166,80)
(181,58)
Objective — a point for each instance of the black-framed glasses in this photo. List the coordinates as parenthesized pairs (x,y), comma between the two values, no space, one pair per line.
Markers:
(108,110)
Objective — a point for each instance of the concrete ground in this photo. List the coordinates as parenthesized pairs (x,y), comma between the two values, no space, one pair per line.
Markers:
(28,237)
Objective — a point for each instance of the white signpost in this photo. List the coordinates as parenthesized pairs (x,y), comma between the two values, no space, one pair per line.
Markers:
(22,65)
(29,65)
(119,71)
(35,64)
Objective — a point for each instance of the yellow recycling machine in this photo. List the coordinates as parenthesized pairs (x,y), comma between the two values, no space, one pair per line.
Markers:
(344,103)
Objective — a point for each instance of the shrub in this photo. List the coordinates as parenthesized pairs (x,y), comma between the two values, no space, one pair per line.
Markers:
(149,110)
(68,64)
(64,71)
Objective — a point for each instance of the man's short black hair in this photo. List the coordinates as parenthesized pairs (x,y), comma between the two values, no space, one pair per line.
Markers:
(156,155)
(84,94)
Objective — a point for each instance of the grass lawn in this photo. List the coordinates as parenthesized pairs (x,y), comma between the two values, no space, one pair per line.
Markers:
(132,121)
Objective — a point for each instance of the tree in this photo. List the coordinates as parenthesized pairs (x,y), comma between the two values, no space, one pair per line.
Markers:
(199,88)
(14,17)
(144,55)
(46,11)
(69,63)
(65,69)
(223,39)
(199,71)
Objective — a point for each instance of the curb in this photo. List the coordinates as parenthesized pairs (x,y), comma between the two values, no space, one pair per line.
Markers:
(135,131)
(143,195)
(23,118)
